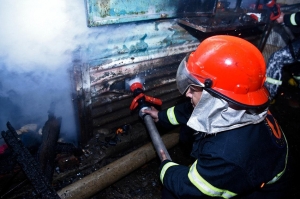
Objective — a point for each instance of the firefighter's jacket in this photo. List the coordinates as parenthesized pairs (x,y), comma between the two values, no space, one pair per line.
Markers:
(246,162)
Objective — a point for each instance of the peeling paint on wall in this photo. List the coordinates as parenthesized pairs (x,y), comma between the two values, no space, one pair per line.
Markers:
(101,12)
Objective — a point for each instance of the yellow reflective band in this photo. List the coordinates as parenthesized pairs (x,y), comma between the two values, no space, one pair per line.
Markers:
(293,19)
(171,116)
(273,81)
(292,82)
(278,176)
(205,187)
(164,169)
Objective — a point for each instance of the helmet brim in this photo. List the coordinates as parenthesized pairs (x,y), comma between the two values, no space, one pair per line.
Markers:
(253,100)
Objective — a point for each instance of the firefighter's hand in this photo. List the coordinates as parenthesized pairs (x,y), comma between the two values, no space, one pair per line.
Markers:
(153,113)
(163,155)
(280,18)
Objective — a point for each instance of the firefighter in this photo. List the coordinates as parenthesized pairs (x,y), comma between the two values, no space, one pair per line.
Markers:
(288,55)
(285,56)
(239,149)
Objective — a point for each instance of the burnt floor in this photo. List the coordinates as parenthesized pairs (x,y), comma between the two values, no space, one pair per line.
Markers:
(144,183)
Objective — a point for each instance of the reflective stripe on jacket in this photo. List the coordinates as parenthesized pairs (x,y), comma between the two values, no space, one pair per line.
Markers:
(205,187)
(175,115)
(171,116)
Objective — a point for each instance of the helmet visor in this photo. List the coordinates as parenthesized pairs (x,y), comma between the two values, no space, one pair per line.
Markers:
(184,78)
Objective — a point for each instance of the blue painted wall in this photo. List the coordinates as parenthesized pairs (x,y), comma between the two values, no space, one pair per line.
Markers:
(101,12)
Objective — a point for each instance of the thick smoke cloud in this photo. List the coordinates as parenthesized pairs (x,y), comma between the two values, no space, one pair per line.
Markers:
(37,38)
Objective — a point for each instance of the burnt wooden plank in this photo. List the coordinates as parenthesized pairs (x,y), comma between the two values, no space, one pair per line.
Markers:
(28,164)
(47,152)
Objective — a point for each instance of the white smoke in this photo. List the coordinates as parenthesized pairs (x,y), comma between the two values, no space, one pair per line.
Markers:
(37,39)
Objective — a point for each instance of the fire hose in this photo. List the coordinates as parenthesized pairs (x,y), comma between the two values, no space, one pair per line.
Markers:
(154,134)
(142,101)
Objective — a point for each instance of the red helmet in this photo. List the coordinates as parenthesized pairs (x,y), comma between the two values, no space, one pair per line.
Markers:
(230,67)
